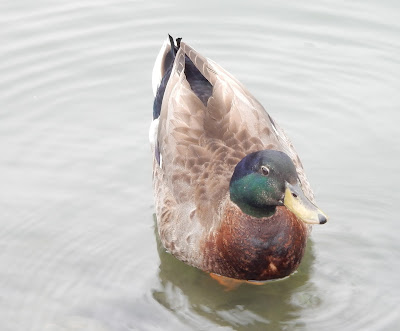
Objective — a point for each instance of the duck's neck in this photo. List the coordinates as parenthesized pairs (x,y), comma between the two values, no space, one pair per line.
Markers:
(258,212)
(252,248)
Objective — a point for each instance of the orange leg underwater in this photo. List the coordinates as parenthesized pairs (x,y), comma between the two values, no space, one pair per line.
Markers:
(232,283)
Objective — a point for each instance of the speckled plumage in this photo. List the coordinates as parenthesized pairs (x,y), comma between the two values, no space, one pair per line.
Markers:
(200,144)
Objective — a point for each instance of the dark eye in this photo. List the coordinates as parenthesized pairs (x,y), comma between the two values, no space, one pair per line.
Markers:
(265,170)
(294,195)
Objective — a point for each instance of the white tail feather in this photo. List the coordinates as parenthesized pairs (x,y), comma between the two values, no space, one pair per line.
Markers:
(158,66)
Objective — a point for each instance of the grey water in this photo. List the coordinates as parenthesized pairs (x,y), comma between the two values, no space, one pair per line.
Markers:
(78,249)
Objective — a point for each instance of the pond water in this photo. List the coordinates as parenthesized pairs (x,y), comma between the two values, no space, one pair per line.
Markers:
(78,244)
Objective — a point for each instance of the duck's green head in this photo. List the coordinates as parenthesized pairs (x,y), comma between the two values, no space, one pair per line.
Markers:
(265,179)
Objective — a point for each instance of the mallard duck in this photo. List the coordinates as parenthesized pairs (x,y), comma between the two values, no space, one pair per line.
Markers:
(231,194)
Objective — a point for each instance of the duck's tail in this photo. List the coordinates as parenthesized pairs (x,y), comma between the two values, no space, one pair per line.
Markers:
(199,83)
(174,49)
(162,70)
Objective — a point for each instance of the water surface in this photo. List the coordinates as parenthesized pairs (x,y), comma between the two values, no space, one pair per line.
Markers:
(78,246)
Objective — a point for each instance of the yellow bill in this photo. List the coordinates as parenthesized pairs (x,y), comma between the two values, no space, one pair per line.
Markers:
(302,207)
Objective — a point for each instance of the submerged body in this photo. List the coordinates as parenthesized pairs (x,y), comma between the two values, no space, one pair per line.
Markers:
(231,194)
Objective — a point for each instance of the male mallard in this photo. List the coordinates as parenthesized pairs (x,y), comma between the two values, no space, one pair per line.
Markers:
(231,194)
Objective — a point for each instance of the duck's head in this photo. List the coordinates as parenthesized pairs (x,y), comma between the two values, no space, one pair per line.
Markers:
(266,179)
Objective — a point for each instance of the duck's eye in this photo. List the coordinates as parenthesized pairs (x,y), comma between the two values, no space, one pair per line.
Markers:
(265,170)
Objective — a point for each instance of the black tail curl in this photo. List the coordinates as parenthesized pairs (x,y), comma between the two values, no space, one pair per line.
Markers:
(174,49)
(199,84)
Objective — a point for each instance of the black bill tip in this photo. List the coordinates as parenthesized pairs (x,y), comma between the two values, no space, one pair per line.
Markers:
(322,219)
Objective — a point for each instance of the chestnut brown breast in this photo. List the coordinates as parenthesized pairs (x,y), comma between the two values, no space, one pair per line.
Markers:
(251,248)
